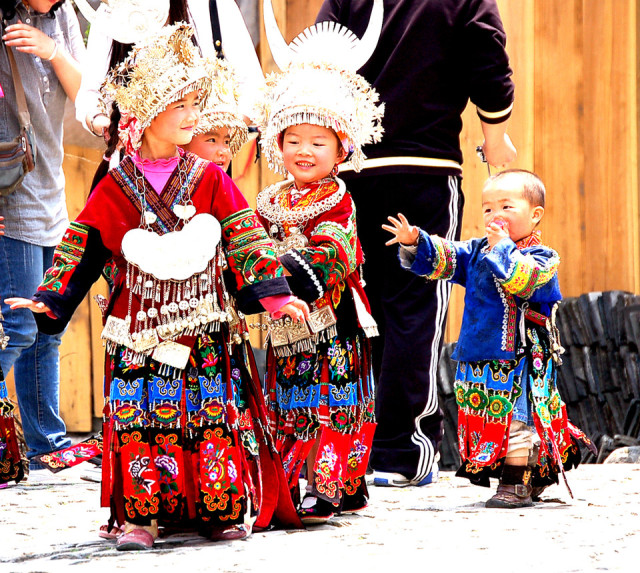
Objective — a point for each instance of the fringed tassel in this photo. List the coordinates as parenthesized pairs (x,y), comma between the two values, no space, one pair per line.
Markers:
(367,323)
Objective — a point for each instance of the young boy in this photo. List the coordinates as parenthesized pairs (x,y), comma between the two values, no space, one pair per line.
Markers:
(512,423)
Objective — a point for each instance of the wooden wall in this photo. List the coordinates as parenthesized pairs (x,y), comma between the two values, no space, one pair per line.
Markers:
(575,123)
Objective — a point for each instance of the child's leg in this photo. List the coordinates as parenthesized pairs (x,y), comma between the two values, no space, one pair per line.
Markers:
(514,490)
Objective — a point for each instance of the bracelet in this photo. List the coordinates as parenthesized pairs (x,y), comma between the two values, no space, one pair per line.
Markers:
(55,51)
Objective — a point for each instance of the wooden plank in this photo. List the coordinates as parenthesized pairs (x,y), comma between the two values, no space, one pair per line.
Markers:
(610,144)
(559,133)
(76,350)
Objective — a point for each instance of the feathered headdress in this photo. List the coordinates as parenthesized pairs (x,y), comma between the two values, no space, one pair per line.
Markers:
(127,21)
(319,85)
(159,70)
(222,106)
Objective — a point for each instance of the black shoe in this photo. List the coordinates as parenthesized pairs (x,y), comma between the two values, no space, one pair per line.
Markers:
(315,511)
(354,503)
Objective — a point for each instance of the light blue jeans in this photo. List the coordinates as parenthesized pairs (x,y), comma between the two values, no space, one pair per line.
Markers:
(33,356)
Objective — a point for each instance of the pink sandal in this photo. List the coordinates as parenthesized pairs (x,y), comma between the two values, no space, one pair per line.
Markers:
(137,539)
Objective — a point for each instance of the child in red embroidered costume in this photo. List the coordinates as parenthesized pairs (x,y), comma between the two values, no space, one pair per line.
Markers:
(11,468)
(512,423)
(319,381)
(181,443)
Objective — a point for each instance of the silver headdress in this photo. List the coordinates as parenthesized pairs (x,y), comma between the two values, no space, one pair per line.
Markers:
(158,71)
(222,106)
(319,85)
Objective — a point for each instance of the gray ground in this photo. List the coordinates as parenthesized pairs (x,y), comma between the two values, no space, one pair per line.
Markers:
(445,527)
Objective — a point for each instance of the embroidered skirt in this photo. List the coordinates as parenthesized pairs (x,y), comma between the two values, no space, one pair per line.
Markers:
(490,394)
(11,468)
(187,450)
(324,398)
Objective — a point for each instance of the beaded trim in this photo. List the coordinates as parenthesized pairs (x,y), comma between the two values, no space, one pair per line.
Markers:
(309,270)
(270,208)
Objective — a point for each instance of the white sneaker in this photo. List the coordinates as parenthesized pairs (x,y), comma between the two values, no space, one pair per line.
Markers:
(390,479)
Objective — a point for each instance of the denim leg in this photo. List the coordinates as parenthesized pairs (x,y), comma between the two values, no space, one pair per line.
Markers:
(33,356)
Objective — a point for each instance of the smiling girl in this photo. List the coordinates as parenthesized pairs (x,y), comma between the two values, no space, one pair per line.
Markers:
(314,116)
(181,447)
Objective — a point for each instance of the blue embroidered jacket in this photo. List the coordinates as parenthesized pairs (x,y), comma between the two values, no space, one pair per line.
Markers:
(497,284)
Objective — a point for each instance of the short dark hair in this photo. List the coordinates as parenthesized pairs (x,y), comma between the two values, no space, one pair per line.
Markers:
(532,186)
(8,8)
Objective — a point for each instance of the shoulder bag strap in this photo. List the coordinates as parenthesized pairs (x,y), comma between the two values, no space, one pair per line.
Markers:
(23,111)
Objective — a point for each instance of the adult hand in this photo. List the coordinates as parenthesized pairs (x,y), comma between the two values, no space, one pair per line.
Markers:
(30,40)
(499,151)
(32,305)
(496,232)
(297,310)
(403,232)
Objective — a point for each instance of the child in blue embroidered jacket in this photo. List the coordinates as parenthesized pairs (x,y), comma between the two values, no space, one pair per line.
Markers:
(512,423)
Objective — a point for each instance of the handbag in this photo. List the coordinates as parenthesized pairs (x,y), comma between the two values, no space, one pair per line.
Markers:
(18,156)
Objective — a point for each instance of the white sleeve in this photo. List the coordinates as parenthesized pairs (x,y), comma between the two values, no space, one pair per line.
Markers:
(73,42)
(94,70)
(239,50)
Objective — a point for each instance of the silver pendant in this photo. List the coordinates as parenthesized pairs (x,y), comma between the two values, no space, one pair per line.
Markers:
(184,212)
(172,353)
(150,218)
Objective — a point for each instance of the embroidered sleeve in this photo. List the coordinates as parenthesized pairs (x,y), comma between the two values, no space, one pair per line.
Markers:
(438,259)
(329,258)
(521,273)
(77,263)
(252,259)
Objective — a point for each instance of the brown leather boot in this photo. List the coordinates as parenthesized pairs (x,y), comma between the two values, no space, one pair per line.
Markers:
(514,490)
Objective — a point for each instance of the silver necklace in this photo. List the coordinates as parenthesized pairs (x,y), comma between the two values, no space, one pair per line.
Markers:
(269,206)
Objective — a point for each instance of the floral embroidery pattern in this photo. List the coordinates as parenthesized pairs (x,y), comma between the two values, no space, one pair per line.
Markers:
(250,252)
(445,262)
(66,258)
(525,275)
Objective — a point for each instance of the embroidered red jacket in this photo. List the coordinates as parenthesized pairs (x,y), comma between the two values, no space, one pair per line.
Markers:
(115,208)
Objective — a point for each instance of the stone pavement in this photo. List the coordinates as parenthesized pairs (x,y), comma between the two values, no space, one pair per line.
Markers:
(53,527)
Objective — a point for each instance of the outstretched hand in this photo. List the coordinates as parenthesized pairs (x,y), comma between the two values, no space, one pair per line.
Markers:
(403,232)
(32,305)
(297,310)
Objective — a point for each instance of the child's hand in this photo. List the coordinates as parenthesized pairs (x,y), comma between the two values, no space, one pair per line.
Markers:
(32,305)
(1,226)
(297,310)
(404,232)
(496,231)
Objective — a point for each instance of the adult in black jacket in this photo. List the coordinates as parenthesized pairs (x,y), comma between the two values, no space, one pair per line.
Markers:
(433,56)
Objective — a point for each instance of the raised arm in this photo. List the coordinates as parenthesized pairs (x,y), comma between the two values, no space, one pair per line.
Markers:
(522,273)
